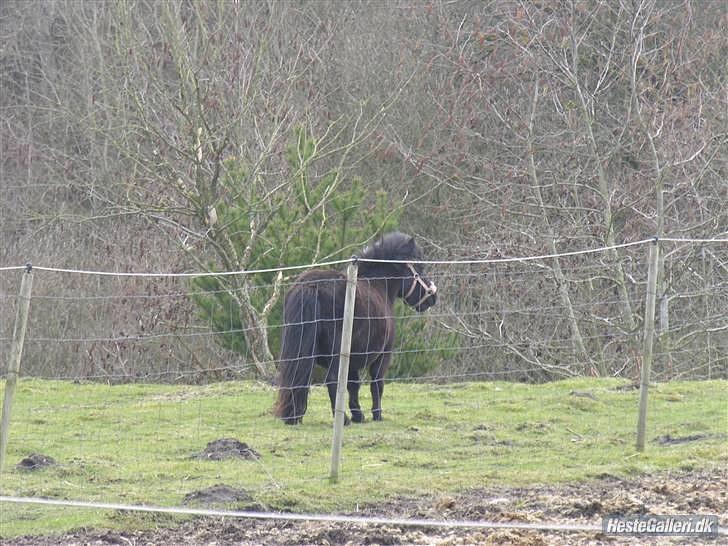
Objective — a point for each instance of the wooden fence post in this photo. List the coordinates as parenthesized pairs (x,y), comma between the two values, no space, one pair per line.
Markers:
(649,334)
(16,351)
(344,355)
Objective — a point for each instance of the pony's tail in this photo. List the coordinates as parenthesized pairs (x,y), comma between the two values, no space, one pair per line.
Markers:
(298,355)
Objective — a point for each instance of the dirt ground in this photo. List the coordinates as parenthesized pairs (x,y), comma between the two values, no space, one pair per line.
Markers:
(684,493)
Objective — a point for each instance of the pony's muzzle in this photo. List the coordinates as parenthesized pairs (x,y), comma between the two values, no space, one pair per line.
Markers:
(428,299)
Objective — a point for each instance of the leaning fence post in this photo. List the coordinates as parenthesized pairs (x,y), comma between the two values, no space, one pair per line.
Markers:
(649,334)
(16,351)
(344,355)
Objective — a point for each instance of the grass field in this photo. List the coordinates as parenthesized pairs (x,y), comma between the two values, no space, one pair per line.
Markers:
(135,444)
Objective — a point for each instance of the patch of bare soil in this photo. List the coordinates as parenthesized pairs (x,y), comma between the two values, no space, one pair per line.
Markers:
(580,504)
(228,448)
(35,461)
(217,494)
(668,440)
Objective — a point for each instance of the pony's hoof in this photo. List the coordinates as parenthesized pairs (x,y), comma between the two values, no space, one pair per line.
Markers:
(347,421)
(357,416)
(377,415)
(293,420)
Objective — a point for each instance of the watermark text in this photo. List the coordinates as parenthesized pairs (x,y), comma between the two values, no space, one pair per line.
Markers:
(661,525)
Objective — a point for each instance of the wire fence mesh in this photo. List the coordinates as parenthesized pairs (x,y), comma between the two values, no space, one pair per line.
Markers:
(161,366)
(496,320)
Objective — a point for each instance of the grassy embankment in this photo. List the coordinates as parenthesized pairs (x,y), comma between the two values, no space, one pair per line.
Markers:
(134,444)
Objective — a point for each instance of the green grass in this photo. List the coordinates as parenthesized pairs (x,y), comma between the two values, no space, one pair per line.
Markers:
(133,444)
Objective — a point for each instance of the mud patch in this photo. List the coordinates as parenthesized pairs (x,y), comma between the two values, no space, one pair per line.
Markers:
(217,494)
(667,440)
(35,461)
(701,492)
(586,508)
(227,448)
(515,538)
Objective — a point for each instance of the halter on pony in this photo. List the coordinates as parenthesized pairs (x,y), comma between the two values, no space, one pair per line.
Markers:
(429,289)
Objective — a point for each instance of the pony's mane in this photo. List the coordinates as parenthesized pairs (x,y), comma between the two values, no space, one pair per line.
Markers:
(394,246)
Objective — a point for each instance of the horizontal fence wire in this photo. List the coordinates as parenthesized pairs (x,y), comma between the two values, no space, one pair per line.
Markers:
(553,526)
(472,261)
(324,518)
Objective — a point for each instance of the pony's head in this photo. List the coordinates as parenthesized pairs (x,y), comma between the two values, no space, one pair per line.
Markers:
(400,257)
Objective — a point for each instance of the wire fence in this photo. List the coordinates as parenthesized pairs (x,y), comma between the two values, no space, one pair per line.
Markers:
(501,318)
(525,320)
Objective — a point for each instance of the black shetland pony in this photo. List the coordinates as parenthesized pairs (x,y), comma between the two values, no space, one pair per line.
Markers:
(313,311)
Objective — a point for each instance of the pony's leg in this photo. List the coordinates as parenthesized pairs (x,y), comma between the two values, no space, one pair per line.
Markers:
(353,387)
(332,378)
(377,369)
